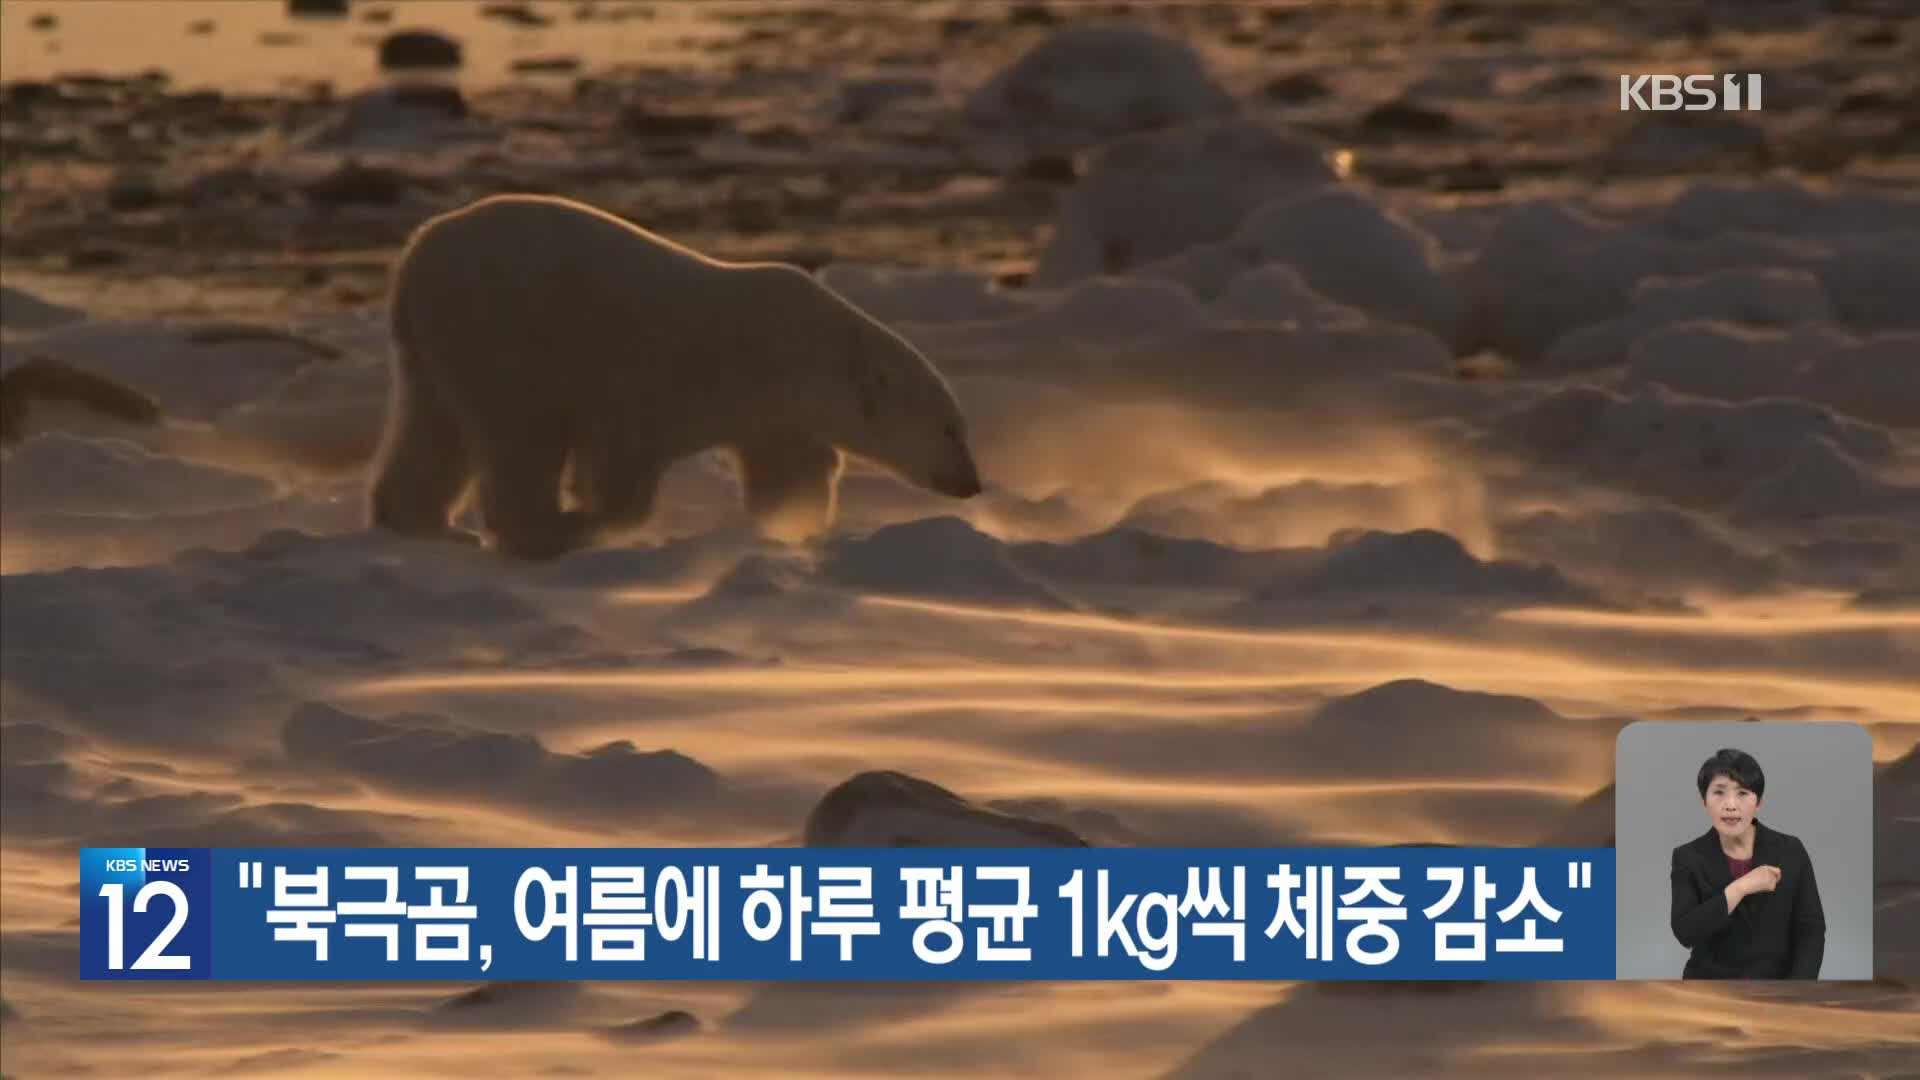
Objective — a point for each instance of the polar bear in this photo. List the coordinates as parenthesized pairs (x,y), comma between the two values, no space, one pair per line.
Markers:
(545,349)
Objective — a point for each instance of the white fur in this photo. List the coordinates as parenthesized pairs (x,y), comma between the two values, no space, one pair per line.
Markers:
(536,335)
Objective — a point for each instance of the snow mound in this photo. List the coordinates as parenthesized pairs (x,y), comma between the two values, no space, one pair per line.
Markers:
(1822,480)
(1708,208)
(1111,310)
(56,473)
(938,557)
(892,809)
(1094,80)
(1548,267)
(1720,360)
(919,294)
(1383,572)
(1870,281)
(1149,197)
(1753,296)
(1207,270)
(1351,249)
(399,117)
(1276,363)
(433,756)
(1691,450)
(1134,556)
(1659,547)
(195,370)
(1277,293)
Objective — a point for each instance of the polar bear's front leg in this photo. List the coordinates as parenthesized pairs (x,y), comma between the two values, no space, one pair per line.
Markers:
(791,486)
(423,471)
(520,504)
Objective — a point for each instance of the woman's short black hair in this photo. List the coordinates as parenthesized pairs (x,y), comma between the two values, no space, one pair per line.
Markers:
(1737,764)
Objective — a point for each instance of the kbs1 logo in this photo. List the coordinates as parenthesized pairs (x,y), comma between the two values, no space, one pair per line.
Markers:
(1694,93)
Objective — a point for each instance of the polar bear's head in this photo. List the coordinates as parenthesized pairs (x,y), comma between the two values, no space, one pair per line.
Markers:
(889,404)
(904,415)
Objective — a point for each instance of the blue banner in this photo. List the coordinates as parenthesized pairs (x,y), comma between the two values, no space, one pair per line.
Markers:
(847,913)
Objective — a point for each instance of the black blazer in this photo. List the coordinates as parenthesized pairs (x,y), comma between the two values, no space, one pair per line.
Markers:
(1776,935)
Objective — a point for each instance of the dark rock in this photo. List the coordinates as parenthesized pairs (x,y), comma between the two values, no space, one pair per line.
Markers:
(224,184)
(588,12)
(33,93)
(1474,174)
(378,15)
(236,123)
(547,65)
(96,258)
(419,49)
(1049,169)
(132,190)
(863,98)
(1296,89)
(516,13)
(957,27)
(779,137)
(201,27)
(751,219)
(1494,33)
(198,100)
(1405,118)
(84,80)
(644,122)
(1870,101)
(280,39)
(317,8)
(1878,37)
(44,21)
(1570,83)
(1032,15)
(354,184)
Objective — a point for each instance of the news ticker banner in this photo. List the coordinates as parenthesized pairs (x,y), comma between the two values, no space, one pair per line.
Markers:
(847,913)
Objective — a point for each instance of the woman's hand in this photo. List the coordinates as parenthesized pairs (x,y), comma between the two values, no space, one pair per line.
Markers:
(1758,880)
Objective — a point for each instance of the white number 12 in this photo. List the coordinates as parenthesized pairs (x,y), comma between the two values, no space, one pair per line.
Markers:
(155,958)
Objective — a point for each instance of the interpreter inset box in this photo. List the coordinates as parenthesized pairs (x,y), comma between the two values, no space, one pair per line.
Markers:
(1744,850)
